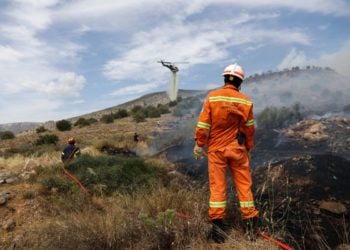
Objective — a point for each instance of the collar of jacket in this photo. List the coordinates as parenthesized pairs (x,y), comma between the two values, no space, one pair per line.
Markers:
(230,86)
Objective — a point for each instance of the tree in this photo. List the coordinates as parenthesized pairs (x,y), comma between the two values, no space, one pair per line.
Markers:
(63,125)
(7,135)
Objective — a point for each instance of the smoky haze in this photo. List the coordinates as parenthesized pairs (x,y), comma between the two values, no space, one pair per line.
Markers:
(317,90)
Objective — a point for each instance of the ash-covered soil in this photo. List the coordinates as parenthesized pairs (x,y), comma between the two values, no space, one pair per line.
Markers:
(309,197)
(301,178)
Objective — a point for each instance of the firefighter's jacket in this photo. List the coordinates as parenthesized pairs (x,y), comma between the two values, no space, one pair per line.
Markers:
(225,112)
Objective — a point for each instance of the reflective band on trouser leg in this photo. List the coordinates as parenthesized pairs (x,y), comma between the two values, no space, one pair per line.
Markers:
(217,204)
(246,203)
(217,209)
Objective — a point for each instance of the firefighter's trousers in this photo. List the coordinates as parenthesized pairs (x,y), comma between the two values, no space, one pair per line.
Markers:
(236,158)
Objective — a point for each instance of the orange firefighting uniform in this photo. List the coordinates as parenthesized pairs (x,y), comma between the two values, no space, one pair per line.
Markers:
(225,112)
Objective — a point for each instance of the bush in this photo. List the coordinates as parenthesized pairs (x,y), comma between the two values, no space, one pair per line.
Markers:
(139,116)
(163,109)
(55,182)
(82,122)
(41,129)
(136,109)
(172,103)
(107,118)
(47,139)
(272,117)
(64,125)
(92,120)
(152,112)
(7,135)
(114,173)
(122,113)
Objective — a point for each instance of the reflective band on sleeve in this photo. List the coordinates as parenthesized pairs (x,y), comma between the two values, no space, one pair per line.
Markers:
(217,204)
(246,203)
(229,99)
(203,125)
(249,123)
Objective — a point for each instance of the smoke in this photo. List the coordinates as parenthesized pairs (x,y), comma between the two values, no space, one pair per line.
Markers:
(172,91)
(317,90)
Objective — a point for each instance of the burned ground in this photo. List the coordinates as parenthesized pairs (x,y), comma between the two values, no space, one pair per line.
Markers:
(309,197)
(301,180)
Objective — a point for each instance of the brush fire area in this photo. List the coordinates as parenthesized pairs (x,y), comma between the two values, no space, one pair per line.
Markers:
(148,192)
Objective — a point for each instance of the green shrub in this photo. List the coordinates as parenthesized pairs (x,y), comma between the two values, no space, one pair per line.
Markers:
(139,116)
(55,183)
(82,122)
(41,129)
(172,103)
(152,112)
(272,117)
(136,108)
(120,174)
(63,125)
(107,118)
(122,113)
(163,109)
(92,120)
(47,139)
(7,135)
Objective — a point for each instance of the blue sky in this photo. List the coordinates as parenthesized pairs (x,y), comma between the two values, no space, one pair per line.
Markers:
(61,58)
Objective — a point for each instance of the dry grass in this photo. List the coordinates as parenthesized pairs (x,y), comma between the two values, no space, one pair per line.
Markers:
(143,221)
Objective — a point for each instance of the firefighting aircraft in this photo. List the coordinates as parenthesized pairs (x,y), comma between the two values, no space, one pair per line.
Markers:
(171,65)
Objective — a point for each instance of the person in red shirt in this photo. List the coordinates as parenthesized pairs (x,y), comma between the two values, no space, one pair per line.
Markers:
(226,126)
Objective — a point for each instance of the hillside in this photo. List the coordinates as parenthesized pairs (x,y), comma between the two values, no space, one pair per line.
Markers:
(318,90)
(19,127)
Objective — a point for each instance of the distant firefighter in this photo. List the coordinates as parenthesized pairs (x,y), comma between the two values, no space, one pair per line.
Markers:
(136,137)
(70,151)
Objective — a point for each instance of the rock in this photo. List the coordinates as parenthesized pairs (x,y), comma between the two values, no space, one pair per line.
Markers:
(333,207)
(11,180)
(9,225)
(3,200)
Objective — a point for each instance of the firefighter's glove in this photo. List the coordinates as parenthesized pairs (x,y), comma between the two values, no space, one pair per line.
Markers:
(197,151)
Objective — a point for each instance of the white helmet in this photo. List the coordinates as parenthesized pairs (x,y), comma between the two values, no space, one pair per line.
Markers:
(235,70)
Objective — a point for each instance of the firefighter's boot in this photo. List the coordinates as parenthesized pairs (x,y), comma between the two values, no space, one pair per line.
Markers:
(217,231)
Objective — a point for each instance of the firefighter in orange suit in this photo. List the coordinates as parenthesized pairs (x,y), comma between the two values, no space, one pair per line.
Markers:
(226,118)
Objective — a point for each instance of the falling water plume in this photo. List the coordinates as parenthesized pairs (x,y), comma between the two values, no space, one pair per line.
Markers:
(172,92)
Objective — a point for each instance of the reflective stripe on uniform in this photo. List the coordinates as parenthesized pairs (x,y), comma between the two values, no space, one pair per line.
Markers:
(217,204)
(246,203)
(229,99)
(203,125)
(249,123)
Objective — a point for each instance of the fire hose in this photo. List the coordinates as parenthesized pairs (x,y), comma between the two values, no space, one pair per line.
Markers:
(84,189)
(263,235)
